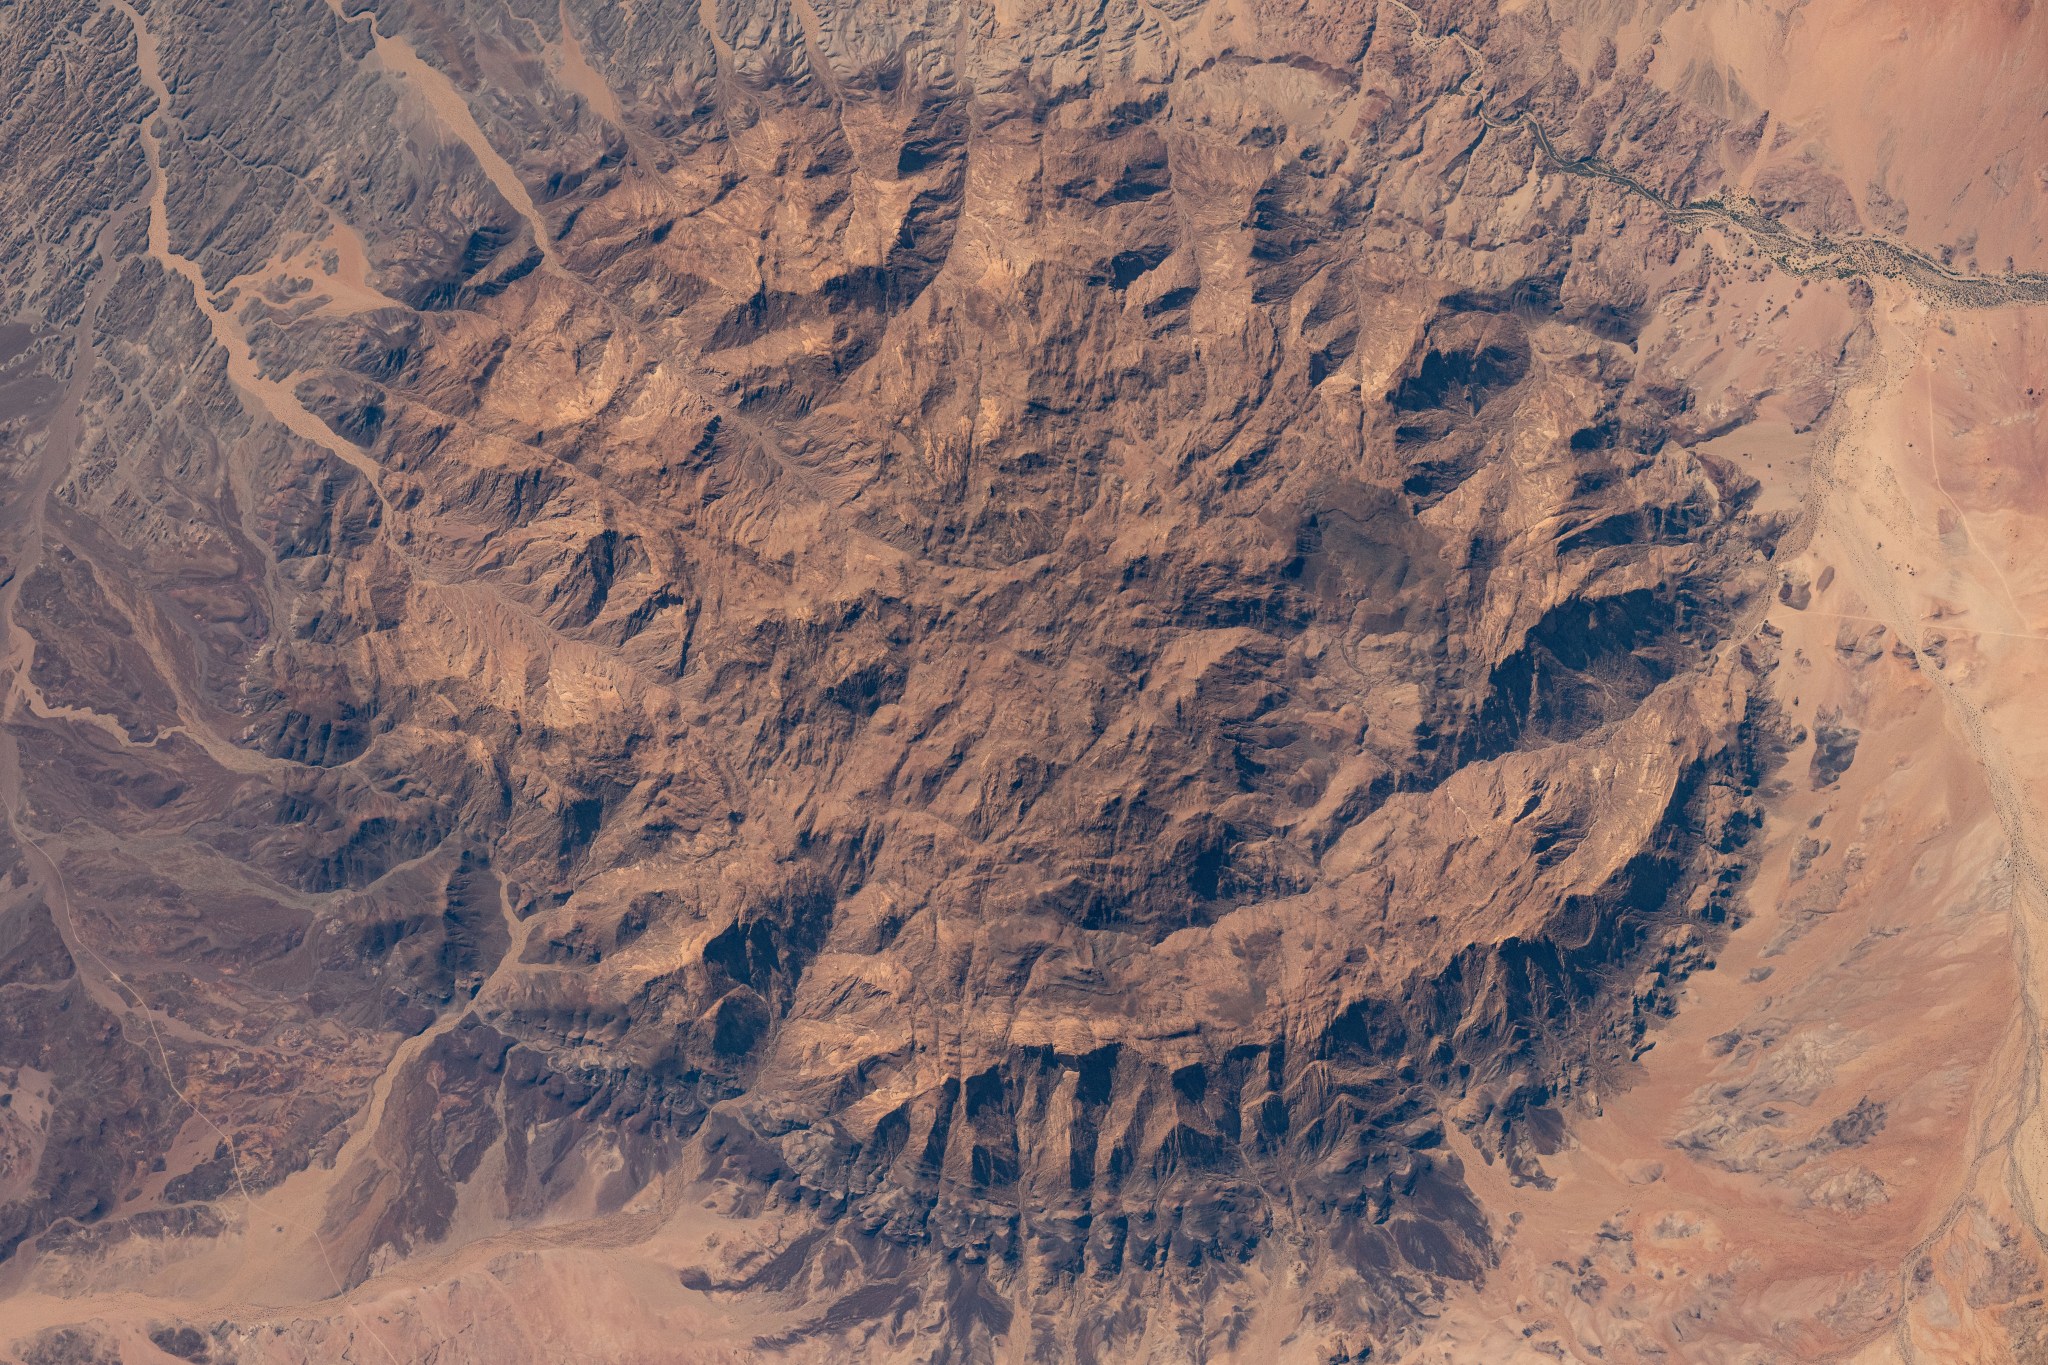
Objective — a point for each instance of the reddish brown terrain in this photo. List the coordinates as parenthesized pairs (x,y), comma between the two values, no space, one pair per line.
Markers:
(989,681)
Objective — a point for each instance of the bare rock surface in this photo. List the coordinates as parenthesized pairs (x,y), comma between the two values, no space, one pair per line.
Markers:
(1220,680)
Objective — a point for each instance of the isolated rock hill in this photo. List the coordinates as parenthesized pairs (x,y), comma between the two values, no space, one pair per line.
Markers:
(1076,650)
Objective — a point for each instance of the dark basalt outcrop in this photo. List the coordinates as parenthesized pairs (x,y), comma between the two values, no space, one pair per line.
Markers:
(1081,654)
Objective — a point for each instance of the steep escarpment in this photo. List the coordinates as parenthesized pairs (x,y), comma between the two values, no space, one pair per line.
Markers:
(1064,662)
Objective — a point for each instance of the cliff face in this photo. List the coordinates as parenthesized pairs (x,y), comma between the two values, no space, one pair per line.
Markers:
(1027,675)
